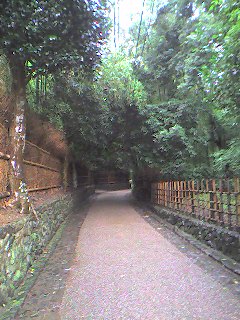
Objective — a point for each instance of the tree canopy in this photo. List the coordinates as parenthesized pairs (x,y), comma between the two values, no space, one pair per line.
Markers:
(48,36)
(171,104)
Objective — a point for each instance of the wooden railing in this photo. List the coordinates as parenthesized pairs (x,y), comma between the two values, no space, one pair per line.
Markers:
(215,200)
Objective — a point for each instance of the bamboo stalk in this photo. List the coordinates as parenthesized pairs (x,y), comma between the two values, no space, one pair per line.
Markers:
(4,156)
(39,165)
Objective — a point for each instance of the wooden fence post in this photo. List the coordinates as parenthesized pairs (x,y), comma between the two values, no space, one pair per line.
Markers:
(212,199)
(220,207)
(192,192)
(229,203)
(237,200)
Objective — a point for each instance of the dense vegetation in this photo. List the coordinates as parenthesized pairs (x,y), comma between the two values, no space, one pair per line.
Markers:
(40,38)
(169,106)
(191,61)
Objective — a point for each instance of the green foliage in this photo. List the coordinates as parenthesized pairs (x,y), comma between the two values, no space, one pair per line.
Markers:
(229,157)
(122,87)
(46,36)
(173,108)
(192,54)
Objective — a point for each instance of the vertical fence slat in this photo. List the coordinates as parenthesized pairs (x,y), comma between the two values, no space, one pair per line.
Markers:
(237,200)
(220,207)
(229,203)
(192,192)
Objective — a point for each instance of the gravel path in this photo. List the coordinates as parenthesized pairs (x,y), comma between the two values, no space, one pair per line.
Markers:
(124,269)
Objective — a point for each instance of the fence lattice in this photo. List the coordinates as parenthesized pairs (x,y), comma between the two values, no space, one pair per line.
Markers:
(215,200)
(43,171)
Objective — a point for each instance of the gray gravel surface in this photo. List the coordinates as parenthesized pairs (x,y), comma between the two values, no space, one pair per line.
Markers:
(126,269)
(120,263)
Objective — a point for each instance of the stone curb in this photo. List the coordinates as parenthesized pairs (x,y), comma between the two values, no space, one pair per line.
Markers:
(13,306)
(227,262)
(11,309)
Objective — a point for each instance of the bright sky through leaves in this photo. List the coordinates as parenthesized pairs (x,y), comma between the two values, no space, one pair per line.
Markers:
(129,12)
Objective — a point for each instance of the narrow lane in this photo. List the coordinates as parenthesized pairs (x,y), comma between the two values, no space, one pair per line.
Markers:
(124,269)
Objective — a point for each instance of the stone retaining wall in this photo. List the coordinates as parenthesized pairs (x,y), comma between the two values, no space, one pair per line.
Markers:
(216,237)
(24,240)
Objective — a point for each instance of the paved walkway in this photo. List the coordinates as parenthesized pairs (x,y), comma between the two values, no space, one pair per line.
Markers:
(124,269)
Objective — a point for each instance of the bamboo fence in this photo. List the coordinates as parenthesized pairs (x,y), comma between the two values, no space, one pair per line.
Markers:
(212,200)
(42,170)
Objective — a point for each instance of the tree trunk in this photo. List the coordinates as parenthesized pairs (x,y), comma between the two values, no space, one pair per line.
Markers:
(18,135)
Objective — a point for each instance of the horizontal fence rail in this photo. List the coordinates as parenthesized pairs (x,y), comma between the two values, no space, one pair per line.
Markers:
(215,200)
(4,195)
(37,147)
(4,156)
(39,165)
(44,188)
